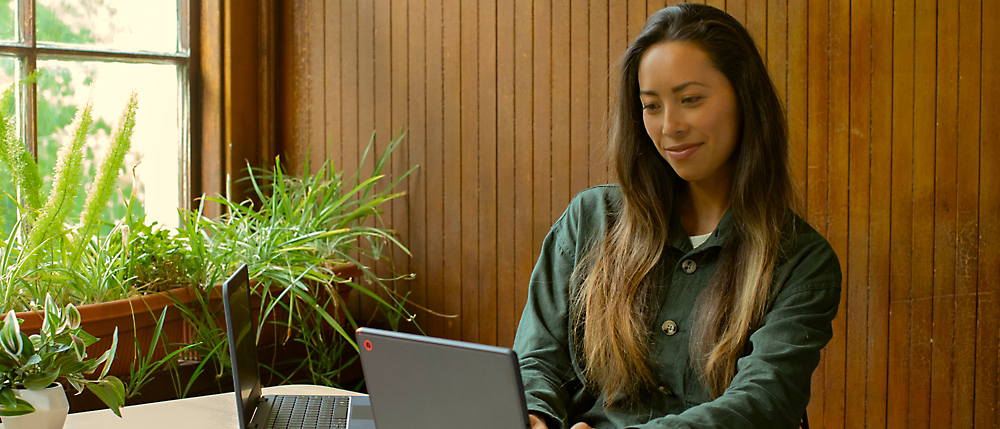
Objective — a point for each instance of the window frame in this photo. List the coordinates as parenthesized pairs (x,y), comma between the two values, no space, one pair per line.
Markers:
(27,50)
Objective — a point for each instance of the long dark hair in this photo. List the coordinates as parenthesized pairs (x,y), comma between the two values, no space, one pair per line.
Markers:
(615,305)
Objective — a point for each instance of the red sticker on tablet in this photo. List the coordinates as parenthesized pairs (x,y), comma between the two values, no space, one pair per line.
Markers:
(368,345)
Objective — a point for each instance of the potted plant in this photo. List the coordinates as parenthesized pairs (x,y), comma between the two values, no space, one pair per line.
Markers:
(31,365)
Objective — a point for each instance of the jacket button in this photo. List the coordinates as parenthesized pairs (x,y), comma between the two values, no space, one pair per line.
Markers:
(666,391)
(670,327)
(689,266)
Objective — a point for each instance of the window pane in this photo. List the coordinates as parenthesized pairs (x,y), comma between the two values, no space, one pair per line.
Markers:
(127,25)
(8,20)
(8,69)
(65,86)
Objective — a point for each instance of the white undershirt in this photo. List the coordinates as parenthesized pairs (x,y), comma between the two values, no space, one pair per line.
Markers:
(698,240)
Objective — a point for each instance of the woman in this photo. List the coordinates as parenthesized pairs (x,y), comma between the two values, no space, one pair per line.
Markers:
(690,294)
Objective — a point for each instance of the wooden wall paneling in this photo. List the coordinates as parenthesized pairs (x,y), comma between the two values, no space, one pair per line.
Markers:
(901,212)
(859,173)
(582,93)
(617,43)
(316,87)
(989,225)
(738,9)
(542,135)
(488,165)
(434,277)
(523,150)
(240,95)
(719,4)
(507,312)
(209,143)
(967,212)
(942,357)
(798,91)
(469,180)
(399,162)
(367,131)
(635,20)
(837,200)
(332,57)
(777,46)
(382,114)
(350,135)
(923,212)
(452,168)
(987,312)
(756,24)
(561,106)
(598,92)
(416,149)
(880,214)
(816,175)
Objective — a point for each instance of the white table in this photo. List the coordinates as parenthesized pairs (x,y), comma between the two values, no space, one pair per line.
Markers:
(210,411)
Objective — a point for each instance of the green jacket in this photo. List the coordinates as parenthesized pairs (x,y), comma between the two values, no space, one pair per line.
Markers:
(771,386)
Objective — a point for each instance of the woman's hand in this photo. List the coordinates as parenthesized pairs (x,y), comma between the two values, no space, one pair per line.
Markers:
(536,422)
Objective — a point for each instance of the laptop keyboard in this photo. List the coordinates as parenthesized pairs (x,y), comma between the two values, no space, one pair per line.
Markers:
(309,412)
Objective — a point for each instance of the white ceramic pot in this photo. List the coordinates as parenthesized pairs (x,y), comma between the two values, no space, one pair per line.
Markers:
(51,408)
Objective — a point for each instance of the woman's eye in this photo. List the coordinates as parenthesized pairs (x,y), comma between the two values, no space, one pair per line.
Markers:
(690,100)
(648,107)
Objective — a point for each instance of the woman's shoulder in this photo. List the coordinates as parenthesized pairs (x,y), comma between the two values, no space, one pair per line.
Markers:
(588,214)
(807,258)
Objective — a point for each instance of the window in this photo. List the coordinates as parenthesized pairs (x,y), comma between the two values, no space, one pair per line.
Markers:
(102,50)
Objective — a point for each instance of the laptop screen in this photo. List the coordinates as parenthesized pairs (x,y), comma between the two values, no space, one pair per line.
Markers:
(242,342)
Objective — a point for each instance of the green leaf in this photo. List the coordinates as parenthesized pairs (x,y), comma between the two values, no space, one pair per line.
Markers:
(79,347)
(110,355)
(7,397)
(10,336)
(73,316)
(41,380)
(111,391)
(20,408)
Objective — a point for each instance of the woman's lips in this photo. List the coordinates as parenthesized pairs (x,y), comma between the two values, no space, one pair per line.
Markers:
(682,151)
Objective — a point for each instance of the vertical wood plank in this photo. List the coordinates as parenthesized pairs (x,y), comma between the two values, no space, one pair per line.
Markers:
(923,211)
(452,142)
(636,18)
(987,380)
(332,58)
(523,149)
(317,88)
(797,92)
(560,106)
(435,167)
(542,136)
(839,154)
(816,176)
(416,149)
(718,4)
(488,165)
(507,313)
(383,110)
(350,135)
(901,226)
(738,9)
(583,93)
(400,163)
(617,33)
(858,203)
(880,213)
(366,107)
(756,23)
(942,357)
(967,212)
(989,225)
(468,147)
(777,46)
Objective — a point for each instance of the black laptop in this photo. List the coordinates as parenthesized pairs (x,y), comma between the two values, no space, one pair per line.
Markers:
(277,411)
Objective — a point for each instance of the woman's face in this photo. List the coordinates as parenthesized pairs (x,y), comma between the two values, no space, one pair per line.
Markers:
(689,110)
